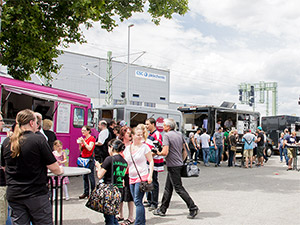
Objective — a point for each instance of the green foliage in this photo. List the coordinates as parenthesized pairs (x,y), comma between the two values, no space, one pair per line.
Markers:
(31,31)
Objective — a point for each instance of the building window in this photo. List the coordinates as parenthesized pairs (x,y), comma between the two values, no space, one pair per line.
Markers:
(150,104)
(136,103)
(162,98)
(136,95)
(102,92)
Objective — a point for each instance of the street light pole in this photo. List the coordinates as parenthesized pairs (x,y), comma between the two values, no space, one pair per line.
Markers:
(128,57)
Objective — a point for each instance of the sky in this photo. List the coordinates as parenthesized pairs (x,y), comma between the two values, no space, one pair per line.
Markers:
(213,48)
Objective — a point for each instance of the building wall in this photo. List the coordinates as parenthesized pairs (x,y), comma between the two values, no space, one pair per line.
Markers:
(143,90)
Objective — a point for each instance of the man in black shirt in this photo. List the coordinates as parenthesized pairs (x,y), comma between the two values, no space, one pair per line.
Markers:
(111,127)
(26,163)
(260,146)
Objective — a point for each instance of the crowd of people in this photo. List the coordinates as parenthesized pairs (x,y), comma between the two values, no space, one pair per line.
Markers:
(120,155)
(222,146)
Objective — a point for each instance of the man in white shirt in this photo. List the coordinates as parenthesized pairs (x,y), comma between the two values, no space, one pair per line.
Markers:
(101,149)
(197,138)
(197,142)
(39,121)
(204,140)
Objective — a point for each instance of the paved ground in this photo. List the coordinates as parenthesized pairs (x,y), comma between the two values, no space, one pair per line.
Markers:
(267,195)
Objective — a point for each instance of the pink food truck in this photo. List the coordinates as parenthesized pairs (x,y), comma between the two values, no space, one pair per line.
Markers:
(69,111)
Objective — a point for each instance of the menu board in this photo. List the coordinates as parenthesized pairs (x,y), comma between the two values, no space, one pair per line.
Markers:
(63,118)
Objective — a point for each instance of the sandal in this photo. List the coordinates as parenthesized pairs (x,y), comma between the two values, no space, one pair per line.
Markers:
(127,222)
(119,218)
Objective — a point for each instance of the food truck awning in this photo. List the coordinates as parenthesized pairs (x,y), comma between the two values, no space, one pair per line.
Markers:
(40,95)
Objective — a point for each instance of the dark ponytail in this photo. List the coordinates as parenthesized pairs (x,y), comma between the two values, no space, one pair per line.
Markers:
(117,145)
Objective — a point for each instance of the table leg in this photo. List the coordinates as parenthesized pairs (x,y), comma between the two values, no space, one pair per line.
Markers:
(61,200)
(51,190)
(56,201)
(295,159)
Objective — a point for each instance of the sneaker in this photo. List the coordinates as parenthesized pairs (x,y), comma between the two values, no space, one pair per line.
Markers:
(158,212)
(83,196)
(151,208)
(266,160)
(147,204)
(193,213)
(67,198)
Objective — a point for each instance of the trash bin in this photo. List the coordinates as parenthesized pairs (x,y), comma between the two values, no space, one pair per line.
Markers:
(212,154)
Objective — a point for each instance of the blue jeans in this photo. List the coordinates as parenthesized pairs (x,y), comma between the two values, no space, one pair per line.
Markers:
(219,152)
(205,152)
(89,178)
(8,221)
(231,156)
(138,201)
(152,196)
(280,153)
(110,219)
(286,156)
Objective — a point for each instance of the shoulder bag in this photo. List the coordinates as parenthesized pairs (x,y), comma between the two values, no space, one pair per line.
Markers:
(105,198)
(83,162)
(144,185)
(232,147)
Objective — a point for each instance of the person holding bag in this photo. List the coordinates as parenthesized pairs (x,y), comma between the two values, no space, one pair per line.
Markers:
(112,171)
(137,154)
(87,146)
(232,146)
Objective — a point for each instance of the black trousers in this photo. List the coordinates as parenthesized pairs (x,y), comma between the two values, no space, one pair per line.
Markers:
(174,182)
(37,210)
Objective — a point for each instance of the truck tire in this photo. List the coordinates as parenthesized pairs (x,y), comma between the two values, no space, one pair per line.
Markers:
(269,151)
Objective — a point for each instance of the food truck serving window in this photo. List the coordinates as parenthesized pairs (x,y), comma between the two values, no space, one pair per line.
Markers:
(90,118)
(78,120)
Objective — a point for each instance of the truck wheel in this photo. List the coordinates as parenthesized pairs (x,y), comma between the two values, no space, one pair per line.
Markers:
(269,151)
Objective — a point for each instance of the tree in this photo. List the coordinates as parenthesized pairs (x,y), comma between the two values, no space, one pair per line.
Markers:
(33,30)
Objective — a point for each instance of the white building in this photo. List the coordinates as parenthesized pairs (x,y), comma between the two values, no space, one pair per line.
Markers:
(80,73)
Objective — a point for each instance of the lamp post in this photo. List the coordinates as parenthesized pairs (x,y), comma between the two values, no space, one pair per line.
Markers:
(128,57)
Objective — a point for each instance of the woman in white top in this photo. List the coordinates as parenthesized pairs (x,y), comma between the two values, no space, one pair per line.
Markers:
(140,153)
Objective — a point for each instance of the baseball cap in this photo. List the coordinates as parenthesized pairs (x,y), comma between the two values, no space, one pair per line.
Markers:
(123,123)
(259,127)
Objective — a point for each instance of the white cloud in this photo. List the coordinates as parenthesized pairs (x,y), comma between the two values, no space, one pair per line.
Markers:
(206,69)
(277,17)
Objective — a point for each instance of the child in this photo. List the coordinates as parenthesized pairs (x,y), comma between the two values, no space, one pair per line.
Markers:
(61,158)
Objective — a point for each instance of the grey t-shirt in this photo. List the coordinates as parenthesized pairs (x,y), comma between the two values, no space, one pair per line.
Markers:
(175,142)
(218,138)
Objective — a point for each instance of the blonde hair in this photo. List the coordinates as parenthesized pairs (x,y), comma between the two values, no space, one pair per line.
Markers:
(47,124)
(57,142)
(23,118)
(144,129)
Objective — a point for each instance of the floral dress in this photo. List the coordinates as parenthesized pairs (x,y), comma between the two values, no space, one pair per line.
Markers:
(66,179)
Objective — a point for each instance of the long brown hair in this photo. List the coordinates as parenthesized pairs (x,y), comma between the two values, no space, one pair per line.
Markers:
(23,118)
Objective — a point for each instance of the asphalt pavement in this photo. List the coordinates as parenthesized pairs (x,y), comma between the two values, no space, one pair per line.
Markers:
(265,195)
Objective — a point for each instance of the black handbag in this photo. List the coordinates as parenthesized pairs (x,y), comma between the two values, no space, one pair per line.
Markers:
(144,185)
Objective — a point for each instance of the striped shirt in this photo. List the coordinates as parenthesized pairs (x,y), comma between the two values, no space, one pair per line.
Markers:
(158,160)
